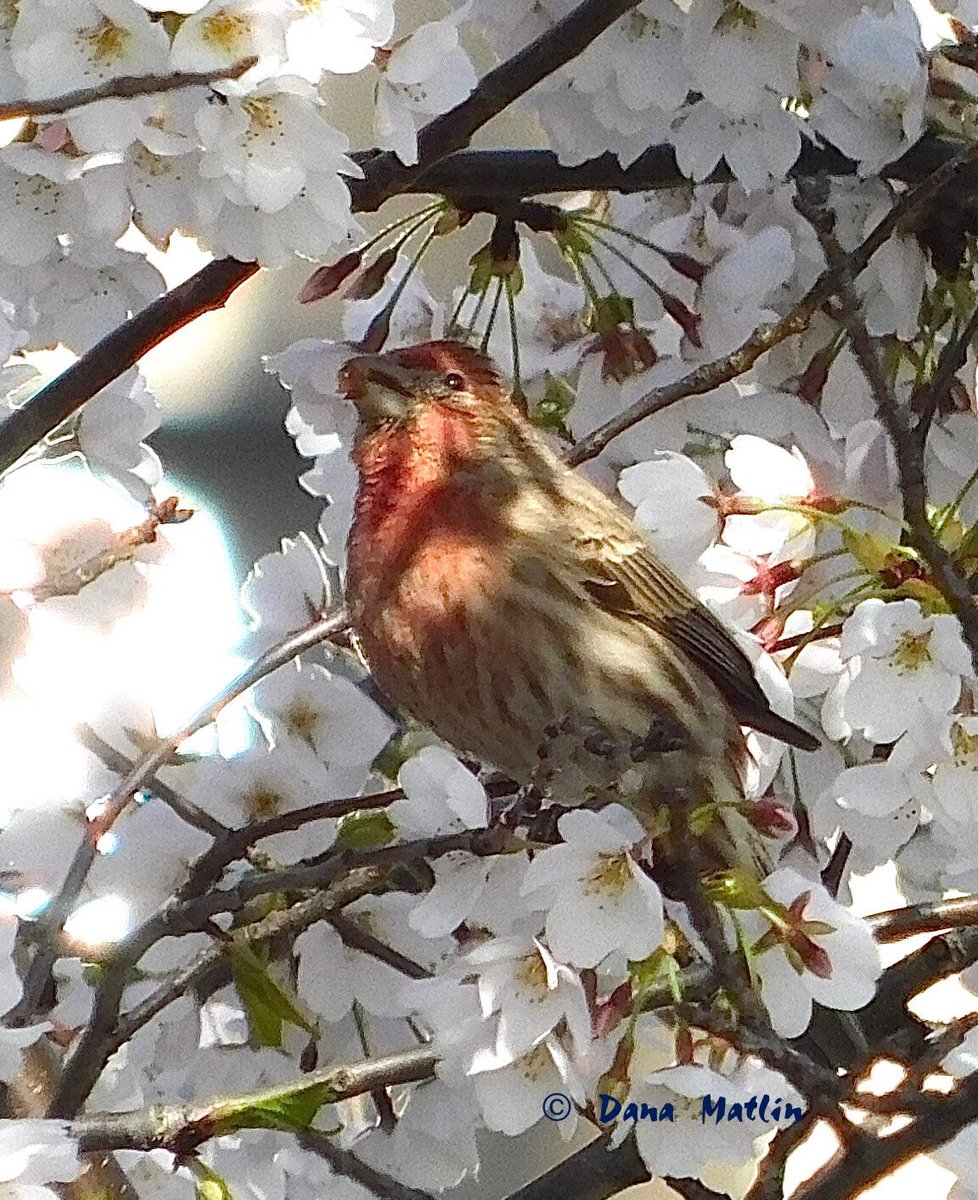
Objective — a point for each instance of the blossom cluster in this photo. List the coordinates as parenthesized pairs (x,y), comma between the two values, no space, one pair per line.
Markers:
(534,968)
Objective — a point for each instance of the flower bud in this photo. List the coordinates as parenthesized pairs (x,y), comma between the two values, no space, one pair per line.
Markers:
(326,279)
(373,278)
(772,818)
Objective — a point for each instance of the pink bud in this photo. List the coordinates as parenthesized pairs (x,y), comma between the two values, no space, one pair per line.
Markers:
(686,265)
(768,579)
(326,279)
(768,630)
(377,332)
(683,316)
(609,1011)
(372,279)
(53,137)
(772,818)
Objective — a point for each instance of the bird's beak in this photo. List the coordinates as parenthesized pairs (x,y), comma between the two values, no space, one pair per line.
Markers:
(378,386)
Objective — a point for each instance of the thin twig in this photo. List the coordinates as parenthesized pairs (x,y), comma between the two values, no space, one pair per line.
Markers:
(361,939)
(722,370)
(186,809)
(124,87)
(836,866)
(182,1128)
(57,912)
(908,450)
(107,1031)
(345,1162)
(928,399)
(384,176)
(931,917)
(122,549)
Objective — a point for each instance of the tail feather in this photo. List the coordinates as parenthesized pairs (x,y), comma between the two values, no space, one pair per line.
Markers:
(784,730)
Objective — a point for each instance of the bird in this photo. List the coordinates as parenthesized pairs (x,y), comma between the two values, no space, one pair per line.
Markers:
(507,603)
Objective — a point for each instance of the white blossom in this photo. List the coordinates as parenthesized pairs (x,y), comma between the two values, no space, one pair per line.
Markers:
(111,430)
(330,714)
(530,993)
(805,963)
(337,35)
(286,589)
(425,74)
(275,167)
(674,506)
(600,899)
(440,795)
(37,1152)
(223,32)
(897,659)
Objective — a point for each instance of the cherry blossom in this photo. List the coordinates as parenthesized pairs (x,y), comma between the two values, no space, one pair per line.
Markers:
(530,993)
(35,1152)
(425,74)
(222,32)
(111,432)
(896,659)
(674,506)
(440,794)
(312,708)
(600,899)
(818,951)
(271,154)
(340,37)
(286,589)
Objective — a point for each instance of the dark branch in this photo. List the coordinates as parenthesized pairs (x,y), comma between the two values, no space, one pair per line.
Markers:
(125,87)
(384,176)
(933,917)
(722,370)
(60,907)
(893,416)
(182,1128)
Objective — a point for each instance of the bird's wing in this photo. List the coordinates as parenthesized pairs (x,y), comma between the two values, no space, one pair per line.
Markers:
(632,582)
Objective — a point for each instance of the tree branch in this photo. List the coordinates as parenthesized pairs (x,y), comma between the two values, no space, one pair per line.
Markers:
(345,1162)
(500,176)
(107,1031)
(384,176)
(124,87)
(722,370)
(57,912)
(25,426)
(931,917)
(907,448)
(182,1128)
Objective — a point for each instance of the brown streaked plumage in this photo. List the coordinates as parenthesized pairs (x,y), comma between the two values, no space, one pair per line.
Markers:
(496,593)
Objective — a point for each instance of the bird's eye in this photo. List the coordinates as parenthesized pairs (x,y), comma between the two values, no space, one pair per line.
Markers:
(455,382)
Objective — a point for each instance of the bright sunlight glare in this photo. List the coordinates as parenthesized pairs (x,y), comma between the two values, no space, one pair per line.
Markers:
(141,648)
(96,922)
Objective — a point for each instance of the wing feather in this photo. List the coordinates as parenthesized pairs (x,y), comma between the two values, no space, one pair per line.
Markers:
(634,583)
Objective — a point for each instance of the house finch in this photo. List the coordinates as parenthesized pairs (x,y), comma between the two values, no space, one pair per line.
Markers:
(511,606)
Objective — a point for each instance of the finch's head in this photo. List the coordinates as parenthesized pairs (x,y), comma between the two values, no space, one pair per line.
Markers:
(392,389)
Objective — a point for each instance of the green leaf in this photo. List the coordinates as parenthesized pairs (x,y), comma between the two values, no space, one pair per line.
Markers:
(551,411)
(611,312)
(365,829)
(268,1001)
(287,1109)
(208,1184)
(647,972)
(399,749)
(572,240)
